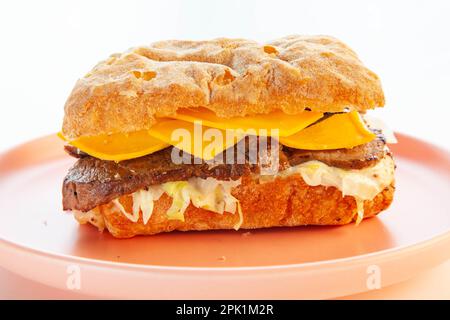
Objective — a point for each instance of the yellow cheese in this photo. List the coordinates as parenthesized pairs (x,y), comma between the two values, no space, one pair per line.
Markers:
(343,130)
(119,146)
(191,137)
(261,123)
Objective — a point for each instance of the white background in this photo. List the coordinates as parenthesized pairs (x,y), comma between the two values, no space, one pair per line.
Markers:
(46,45)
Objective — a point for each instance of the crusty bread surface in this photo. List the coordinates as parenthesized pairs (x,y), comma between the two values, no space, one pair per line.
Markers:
(232,77)
(282,202)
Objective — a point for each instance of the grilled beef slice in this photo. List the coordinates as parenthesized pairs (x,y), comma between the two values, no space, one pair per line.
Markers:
(92,182)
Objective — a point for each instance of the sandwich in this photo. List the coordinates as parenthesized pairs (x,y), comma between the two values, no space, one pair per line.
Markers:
(226,134)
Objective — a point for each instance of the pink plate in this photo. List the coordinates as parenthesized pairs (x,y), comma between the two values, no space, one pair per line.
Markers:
(40,242)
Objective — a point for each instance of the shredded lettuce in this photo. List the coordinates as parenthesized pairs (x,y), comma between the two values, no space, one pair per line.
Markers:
(133,217)
(210,194)
(180,199)
(143,200)
(241,217)
(359,210)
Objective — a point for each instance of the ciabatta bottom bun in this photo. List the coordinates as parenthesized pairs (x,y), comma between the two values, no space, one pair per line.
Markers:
(281,201)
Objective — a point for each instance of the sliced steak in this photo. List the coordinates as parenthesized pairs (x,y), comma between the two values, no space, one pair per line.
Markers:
(92,182)
(74,152)
(358,157)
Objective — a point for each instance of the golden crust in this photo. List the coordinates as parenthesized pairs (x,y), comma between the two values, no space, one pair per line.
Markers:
(282,202)
(232,77)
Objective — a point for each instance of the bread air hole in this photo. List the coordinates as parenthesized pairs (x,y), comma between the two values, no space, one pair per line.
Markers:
(146,75)
(226,78)
(270,50)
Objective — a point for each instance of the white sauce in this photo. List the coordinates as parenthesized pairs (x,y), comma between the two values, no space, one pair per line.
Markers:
(364,183)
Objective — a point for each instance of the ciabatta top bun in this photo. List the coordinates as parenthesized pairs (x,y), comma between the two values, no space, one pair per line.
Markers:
(232,77)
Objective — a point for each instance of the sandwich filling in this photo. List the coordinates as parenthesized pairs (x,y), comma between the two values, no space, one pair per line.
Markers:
(331,150)
(92,182)
(361,172)
(217,195)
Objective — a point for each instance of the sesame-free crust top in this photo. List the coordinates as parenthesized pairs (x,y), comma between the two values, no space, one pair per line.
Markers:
(232,77)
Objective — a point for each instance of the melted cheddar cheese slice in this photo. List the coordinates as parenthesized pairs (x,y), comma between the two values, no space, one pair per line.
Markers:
(287,124)
(342,130)
(119,146)
(194,138)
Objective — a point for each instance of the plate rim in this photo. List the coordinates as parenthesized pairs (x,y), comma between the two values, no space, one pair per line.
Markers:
(441,238)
